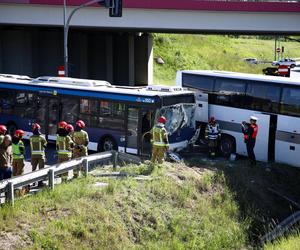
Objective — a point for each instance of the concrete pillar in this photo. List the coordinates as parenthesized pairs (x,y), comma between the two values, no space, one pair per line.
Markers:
(109,58)
(143,59)
(1,55)
(131,60)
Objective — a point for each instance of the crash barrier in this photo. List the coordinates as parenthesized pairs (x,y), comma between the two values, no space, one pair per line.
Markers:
(87,163)
(282,227)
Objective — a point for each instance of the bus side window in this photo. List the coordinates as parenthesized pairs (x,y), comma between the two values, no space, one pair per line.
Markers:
(291,101)
(69,109)
(112,115)
(205,83)
(229,92)
(7,102)
(263,97)
(25,104)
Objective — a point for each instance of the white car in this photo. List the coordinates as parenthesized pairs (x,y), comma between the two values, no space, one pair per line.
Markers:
(286,61)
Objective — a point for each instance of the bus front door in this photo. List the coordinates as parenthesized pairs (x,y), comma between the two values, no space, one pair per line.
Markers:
(146,124)
(132,131)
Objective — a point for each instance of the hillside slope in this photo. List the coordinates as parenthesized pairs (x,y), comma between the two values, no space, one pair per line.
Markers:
(212,52)
(178,208)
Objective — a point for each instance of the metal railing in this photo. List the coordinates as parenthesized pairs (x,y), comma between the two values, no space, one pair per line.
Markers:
(87,163)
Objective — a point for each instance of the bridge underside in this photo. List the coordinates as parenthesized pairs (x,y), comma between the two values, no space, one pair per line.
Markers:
(115,49)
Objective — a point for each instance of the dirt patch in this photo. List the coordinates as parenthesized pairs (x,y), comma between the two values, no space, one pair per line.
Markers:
(12,241)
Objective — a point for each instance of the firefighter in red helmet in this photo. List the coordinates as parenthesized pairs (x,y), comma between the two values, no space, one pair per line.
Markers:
(160,141)
(212,134)
(3,131)
(18,152)
(81,140)
(64,143)
(38,144)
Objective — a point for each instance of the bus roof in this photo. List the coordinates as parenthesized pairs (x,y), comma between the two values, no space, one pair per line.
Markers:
(246,76)
(75,84)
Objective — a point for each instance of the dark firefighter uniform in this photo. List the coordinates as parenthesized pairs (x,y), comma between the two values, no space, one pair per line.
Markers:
(250,131)
(38,144)
(160,142)
(212,133)
(18,149)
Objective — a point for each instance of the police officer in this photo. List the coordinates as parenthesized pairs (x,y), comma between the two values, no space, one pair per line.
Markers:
(38,144)
(18,152)
(3,131)
(250,131)
(160,142)
(64,143)
(213,134)
(81,141)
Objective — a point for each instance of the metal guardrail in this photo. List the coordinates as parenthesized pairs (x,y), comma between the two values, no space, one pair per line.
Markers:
(48,174)
(282,227)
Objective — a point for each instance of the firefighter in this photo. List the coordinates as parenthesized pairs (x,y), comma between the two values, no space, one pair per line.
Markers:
(3,131)
(213,135)
(250,131)
(38,144)
(81,141)
(64,143)
(160,142)
(18,152)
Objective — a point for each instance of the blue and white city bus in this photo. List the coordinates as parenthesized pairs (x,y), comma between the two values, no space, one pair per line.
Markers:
(116,117)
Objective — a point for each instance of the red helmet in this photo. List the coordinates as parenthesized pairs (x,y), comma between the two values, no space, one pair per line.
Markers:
(80,124)
(36,126)
(3,129)
(19,133)
(69,128)
(162,119)
(212,119)
(62,124)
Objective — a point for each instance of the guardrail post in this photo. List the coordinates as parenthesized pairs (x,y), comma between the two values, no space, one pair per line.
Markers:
(115,159)
(85,165)
(51,178)
(10,193)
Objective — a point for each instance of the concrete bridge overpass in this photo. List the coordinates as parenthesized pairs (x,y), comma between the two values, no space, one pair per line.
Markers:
(120,49)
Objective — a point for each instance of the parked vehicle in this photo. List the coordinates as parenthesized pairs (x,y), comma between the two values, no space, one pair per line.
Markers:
(286,62)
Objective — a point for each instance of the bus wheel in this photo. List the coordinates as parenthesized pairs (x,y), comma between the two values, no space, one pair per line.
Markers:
(107,144)
(227,145)
(11,128)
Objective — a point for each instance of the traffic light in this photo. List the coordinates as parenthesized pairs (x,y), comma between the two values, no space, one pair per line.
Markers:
(116,9)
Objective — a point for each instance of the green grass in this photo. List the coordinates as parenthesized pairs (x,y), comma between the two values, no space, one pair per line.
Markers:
(212,52)
(291,243)
(177,209)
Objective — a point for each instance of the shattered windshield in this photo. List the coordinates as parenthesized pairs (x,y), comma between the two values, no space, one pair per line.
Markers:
(178,116)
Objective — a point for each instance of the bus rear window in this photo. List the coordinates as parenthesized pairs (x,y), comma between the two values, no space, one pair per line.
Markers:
(205,83)
(291,101)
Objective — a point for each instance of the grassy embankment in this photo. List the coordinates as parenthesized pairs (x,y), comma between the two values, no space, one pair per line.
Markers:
(212,52)
(180,208)
(291,243)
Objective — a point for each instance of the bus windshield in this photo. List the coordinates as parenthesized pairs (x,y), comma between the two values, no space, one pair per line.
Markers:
(178,116)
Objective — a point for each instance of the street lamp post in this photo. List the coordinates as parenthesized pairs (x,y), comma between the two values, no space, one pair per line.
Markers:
(66,29)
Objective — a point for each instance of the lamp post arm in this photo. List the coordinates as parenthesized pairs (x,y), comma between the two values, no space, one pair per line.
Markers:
(66,30)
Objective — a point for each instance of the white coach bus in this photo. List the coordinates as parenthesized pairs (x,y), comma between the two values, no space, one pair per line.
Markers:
(233,97)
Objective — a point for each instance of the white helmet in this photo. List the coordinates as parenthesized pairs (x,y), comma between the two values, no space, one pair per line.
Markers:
(254,118)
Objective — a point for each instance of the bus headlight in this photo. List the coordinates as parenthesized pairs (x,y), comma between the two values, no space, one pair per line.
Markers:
(122,138)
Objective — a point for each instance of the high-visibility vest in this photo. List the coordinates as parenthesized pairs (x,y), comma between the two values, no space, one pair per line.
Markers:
(63,145)
(212,131)
(160,136)
(17,151)
(37,145)
(1,138)
(80,138)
